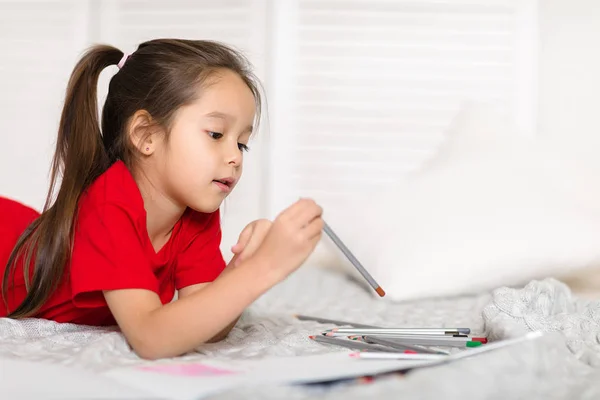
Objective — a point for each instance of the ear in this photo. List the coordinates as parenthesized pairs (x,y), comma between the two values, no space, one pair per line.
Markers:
(143,132)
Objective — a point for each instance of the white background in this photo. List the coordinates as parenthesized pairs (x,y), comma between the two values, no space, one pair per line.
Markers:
(358,92)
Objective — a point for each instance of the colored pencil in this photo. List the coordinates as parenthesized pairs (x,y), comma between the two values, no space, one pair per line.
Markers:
(397,331)
(447,342)
(390,342)
(430,337)
(338,242)
(353,344)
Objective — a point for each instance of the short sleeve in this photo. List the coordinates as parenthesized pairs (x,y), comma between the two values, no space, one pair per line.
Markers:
(108,254)
(201,260)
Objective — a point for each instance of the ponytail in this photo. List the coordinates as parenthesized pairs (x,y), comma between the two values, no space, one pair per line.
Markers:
(80,157)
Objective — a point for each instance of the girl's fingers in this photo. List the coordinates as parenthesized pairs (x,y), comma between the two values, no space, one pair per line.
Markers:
(243,239)
(314,228)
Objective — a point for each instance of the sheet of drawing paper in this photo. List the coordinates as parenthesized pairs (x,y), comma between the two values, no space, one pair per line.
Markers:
(198,380)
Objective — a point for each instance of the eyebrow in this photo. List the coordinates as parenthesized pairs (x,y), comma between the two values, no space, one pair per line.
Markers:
(227,117)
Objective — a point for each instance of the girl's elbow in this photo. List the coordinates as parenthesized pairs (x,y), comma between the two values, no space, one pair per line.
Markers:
(148,355)
(150,348)
(153,353)
(148,351)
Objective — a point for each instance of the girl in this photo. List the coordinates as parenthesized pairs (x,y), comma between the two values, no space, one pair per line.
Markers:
(136,215)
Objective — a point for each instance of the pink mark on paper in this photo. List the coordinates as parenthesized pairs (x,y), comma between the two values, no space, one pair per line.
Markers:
(188,370)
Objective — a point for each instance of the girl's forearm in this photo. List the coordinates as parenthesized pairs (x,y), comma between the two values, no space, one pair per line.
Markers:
(181,326)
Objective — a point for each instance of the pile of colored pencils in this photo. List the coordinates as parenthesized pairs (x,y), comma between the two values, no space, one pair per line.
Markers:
(417,343)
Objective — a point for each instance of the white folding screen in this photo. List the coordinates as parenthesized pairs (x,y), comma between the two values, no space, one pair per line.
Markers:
(366,89)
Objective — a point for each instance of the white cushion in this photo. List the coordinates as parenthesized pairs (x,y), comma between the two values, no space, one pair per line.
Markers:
(492,208)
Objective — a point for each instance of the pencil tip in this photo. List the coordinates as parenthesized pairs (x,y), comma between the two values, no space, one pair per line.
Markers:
(380,291)
(311,337)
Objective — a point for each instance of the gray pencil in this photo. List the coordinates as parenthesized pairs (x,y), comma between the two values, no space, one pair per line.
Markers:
(354,344)
(398,331)
(338,242)
(392,343)
(361,331)
(449,342)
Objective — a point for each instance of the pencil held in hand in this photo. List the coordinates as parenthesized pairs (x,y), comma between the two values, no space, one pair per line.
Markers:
(353,259)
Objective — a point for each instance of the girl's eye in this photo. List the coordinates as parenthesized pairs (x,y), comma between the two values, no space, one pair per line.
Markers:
(215,135)
(243,147)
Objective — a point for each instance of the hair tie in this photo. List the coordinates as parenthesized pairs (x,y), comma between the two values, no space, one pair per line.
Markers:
(123,59)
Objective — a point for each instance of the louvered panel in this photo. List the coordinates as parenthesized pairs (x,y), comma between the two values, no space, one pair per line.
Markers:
(373,85)
(40,42)
(130,22)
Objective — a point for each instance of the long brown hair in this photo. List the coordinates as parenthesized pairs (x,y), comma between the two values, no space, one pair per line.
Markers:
(159,77)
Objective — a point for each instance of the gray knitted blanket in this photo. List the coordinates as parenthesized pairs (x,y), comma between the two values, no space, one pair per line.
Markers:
(561,365)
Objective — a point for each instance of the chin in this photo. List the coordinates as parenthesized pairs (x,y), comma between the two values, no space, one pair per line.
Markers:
(205,207)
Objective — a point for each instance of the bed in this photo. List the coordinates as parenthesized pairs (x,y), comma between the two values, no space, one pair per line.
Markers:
(563,364)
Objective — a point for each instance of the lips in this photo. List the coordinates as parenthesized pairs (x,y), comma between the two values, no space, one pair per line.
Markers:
(225,184)
(225,181)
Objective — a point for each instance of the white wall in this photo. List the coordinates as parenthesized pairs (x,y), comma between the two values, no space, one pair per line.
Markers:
(569,71)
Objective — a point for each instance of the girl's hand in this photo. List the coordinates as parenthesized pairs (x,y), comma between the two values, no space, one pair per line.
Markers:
(250,239)
(290,240)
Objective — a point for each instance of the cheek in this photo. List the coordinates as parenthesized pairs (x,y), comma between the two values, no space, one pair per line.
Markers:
(183,148)
(191,158)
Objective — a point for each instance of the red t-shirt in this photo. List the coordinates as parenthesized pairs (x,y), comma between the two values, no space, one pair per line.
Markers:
(112,250)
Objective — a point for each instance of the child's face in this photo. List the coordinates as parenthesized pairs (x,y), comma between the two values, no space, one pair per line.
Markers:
(201,161)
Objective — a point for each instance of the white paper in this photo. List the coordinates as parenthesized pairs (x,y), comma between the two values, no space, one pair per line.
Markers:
(272,370)
(197,380)
(38,380)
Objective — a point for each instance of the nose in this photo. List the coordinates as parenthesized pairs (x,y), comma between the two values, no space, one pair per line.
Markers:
(234,155)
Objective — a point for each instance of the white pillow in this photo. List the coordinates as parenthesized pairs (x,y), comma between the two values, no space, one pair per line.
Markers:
(492,208)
